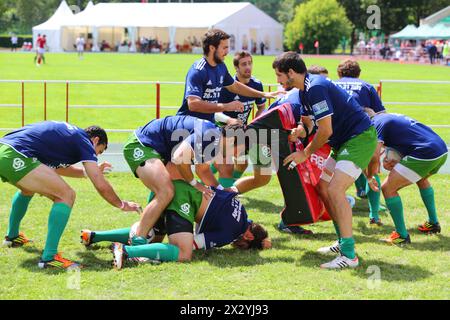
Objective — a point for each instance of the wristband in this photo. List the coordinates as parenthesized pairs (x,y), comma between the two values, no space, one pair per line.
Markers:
(193,182)
(221,117)
(122,206)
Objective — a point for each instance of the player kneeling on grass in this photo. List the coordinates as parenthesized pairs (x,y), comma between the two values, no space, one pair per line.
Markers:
(414,153)
(33,157)
(165,148)
(221,220)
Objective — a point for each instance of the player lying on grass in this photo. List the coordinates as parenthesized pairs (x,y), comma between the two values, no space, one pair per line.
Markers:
(33,157)
(341,123)
(220,220)
(414,153)
(349,72)
(164,147)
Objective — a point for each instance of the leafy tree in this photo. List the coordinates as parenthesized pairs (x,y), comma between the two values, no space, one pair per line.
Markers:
(322,20)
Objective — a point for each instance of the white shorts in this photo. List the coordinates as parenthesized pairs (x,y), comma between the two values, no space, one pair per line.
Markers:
(41,50)
(347,167)
(407,173)
(80,48)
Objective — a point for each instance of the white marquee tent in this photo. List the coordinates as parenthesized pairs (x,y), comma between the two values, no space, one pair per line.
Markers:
(173,23)
(52,27)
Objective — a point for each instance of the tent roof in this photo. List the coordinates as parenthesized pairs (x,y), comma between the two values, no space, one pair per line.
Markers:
(61,15)
(408,32)
(439,31)
(181,15)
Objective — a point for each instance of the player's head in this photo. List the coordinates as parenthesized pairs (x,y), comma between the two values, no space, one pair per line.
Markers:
(243,63)
(349,69)
(315,69)
(216,44)
(255,237)
(289,68)
(98,137)
(44,36)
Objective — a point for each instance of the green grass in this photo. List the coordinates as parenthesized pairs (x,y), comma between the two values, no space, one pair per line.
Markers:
(288,271)
(174,68)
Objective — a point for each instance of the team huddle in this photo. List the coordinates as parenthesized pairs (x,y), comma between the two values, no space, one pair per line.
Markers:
(205,212)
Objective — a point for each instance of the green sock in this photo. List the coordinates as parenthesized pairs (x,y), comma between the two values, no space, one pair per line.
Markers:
(226,182)
(18,209)
(150,196)
(57,221)
(120,235)
(154,251)
(395,207)
(237,174)
(213,168)
(336,227)
(428,200)
(348,247)
(138,241)
(374,200)
(361,182)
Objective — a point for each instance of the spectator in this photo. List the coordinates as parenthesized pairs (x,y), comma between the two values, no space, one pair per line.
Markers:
(262,46)
(14,42)
(432,51)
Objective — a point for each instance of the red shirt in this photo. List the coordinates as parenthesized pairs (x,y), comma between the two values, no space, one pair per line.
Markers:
(41,41)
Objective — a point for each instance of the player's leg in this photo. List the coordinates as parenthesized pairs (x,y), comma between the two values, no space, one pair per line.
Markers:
(89,237)
(394,182)
(226,169)
(13,168)
(374,203)
(19,207)
(156,178)
(360,185)
(47,182)
(425,170)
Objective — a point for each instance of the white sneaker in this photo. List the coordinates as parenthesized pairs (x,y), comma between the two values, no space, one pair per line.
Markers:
(341,262)
(119,256)
(335,248)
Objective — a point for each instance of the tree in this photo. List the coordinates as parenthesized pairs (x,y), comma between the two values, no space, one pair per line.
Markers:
(286,10)
(322,20)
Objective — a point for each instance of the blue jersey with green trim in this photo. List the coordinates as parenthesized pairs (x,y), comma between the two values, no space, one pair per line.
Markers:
(205,82)
(224,221)
(409,137)
(363,92)
(55,144)
(165,135)
(227,97)
(322,98)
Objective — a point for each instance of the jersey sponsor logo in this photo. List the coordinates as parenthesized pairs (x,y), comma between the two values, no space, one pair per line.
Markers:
(138,154)
(237,212)
(18,164)
(318,161)
(266,151)
(320,107)
(185,208)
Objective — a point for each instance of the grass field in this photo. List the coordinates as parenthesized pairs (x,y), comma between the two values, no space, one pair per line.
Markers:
(289,271)
(174,68)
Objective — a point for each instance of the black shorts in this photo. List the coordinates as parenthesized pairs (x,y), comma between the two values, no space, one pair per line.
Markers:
(171,223)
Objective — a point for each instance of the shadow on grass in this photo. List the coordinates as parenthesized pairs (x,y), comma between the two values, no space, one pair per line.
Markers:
(238,258)
(389,272)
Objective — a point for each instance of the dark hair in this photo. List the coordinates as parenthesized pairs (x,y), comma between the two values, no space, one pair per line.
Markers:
(349,69)
(213,37)
(259,238)
(241,55)
(315,69)
(96,131)
(289,60)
